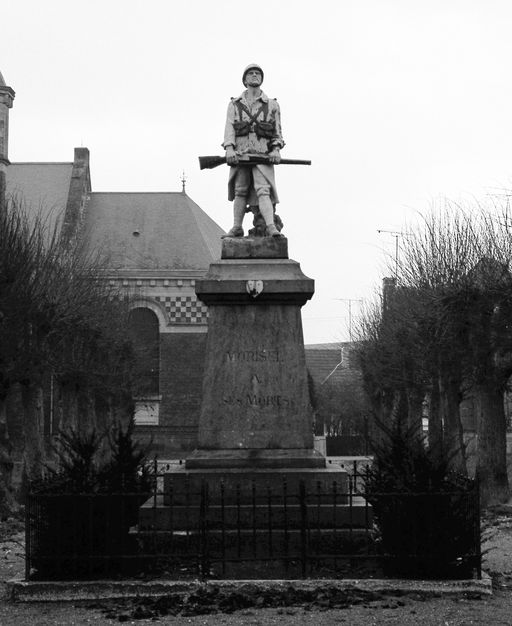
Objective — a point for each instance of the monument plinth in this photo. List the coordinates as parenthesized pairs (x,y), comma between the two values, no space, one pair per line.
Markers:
(255,410)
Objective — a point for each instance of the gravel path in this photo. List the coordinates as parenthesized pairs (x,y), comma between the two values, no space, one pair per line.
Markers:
(412,609)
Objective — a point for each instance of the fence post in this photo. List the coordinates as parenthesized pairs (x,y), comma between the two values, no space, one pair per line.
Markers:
(238,522)
(223,526)
(303,527)
(154,541)
(478,532)
(285,524)
(28,548)
(90,533)
(254,529)
(155,479)
(269,521)
(204,565)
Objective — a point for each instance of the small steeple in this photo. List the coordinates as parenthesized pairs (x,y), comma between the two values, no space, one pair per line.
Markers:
(183,182)
(6,100)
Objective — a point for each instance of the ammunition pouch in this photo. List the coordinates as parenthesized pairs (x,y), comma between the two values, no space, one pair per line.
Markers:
(264,130)
(242,128)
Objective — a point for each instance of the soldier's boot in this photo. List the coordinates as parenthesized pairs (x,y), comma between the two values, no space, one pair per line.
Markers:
(235,231)
(267,210)
(239,207)
(272,231)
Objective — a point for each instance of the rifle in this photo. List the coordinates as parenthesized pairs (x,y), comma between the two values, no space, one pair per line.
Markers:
(209,162)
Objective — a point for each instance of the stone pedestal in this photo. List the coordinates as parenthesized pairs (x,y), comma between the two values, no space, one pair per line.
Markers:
(256,411)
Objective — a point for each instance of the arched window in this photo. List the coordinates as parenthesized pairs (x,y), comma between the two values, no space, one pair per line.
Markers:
(143,331)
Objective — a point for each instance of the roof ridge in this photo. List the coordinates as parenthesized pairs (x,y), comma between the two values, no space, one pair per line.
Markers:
(213,251)
(41,163)
(146,193)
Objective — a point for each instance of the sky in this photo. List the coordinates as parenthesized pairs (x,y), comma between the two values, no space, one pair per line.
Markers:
(396,102)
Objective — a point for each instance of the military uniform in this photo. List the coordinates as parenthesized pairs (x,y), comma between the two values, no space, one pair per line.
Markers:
(253,129)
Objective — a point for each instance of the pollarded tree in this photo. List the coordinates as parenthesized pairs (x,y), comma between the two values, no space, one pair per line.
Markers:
(57,317)
(25,256)
(491,348)
(472,294)
(449,316)
(388,353)
(90,354)
(434,266)
(490,359)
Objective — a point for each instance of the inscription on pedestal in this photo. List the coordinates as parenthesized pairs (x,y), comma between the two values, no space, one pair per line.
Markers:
(253,356)
(257,397)
(262,402)
(255,392)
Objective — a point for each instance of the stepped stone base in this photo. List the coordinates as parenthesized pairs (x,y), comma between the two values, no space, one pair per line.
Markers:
(182,486)
(247,517)
(254,499)
(255,458)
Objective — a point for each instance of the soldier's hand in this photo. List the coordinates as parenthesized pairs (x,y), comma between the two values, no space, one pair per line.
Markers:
(231,156)
(274,156)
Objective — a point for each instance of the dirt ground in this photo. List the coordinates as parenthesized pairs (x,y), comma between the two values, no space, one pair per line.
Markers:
(321,610)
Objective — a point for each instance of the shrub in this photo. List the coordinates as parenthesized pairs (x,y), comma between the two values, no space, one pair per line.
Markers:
(127,469)
(79,516)
(426,514)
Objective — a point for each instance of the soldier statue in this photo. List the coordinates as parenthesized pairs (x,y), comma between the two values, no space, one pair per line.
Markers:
(253,131)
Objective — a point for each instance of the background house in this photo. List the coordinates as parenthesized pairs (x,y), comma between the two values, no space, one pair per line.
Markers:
(339,403)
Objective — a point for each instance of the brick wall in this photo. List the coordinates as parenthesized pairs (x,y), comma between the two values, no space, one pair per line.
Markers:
(181,378)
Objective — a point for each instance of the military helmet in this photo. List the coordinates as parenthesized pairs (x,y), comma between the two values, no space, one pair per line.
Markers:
(252,66)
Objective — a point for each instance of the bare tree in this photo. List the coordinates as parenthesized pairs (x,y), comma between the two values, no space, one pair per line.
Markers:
(58,319)
(443,332)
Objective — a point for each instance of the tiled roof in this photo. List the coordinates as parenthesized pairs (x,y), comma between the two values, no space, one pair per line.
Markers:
(42,188)
(152,230)
(328,361)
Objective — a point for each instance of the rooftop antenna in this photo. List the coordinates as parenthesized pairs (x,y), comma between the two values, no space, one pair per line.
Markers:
(183,181)
(396,234)
(350,300)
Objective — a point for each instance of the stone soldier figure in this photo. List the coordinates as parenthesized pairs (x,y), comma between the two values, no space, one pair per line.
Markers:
(253,127)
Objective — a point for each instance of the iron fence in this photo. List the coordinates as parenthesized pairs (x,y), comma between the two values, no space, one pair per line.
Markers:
(253,529)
